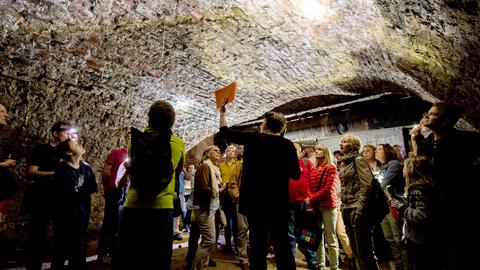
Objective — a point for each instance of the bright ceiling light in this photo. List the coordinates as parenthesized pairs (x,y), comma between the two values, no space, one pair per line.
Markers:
(313,8)
(183,103)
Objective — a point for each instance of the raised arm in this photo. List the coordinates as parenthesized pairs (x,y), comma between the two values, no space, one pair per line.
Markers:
(223,117)
(232,135)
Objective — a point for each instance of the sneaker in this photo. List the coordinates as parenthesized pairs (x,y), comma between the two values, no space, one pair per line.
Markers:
(177,237)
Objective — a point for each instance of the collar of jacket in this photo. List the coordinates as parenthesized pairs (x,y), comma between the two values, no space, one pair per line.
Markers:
(350,156)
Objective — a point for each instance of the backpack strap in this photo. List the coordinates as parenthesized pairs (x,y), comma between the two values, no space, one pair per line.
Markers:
(321,179)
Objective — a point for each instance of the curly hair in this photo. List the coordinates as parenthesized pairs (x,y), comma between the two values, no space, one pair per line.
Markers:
(161,115)
(418,170)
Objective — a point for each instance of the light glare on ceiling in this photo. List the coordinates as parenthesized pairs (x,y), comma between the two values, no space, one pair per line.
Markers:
(313,8)
(183,103)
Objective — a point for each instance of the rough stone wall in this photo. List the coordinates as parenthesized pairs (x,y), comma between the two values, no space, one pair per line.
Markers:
(100,64)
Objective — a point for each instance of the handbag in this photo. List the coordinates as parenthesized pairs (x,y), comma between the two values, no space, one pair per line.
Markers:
(376,203)
(377,206)
(309,233)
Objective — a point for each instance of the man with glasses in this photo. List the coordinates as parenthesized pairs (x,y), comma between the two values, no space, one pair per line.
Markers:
(39,200)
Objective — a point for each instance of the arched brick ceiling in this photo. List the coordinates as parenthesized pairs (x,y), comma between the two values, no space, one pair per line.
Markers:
(102,63)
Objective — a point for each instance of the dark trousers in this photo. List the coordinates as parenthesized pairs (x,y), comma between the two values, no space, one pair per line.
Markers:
(38,223)
(229,208)
(295,220)
(426,256)
(145,239)
(276,223)
(108,233)
(361,240)
(70,229)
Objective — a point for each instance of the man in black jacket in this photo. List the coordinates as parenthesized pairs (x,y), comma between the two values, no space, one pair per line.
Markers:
(269,162)
(455,155)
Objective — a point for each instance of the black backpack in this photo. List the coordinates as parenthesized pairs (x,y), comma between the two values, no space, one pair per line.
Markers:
(151,168)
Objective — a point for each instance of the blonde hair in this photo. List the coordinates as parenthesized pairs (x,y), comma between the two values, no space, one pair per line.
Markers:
(231,146)
(326,152)
(354,140)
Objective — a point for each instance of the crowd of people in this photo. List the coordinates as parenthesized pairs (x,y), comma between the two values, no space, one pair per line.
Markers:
(257,192)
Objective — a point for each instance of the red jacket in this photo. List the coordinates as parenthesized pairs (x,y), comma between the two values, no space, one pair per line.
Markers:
(324,196)
(298,189)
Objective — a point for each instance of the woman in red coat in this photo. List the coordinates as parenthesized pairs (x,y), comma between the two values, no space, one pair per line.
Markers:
(323,198)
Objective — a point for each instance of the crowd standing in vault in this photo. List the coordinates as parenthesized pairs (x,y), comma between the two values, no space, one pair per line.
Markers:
(263,187)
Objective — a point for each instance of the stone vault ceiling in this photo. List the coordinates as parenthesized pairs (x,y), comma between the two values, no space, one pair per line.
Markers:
(102,63)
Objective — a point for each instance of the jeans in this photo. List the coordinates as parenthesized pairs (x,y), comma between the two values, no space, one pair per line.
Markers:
(274,221)
(242,242)
(328,219)
(206,225)
(231,215)
(192,243)
(108,233)
(394,236)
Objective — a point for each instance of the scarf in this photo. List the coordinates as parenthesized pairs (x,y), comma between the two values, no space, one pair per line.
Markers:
(350,156)
(215,173)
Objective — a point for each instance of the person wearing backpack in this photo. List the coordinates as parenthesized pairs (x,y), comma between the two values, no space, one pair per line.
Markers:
(155,162)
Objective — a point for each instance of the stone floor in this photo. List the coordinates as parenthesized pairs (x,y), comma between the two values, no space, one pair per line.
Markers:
(225,261)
